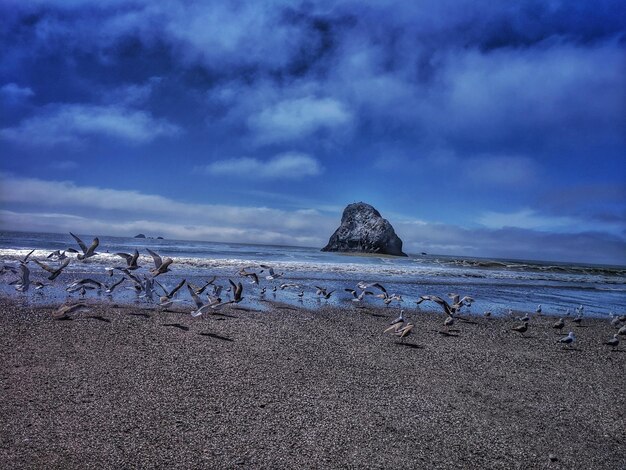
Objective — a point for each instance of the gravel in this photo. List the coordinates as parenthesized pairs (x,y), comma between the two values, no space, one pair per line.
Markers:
(123,386)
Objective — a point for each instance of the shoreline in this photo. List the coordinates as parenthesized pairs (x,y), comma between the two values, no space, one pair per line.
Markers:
(287,387)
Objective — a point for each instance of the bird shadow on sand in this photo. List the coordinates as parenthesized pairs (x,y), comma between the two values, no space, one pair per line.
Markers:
(216,336)
(570,349)
(139,314)
(447,334)
(411,345)
(176,325)
(469,322)
(244,309)
(99,318)
(284,307)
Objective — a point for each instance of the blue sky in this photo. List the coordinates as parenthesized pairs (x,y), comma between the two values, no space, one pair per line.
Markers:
(477,128)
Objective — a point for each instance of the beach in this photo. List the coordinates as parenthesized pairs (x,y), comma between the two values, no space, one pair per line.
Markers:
(129,386)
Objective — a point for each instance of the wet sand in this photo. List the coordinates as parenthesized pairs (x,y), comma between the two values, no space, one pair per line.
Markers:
(294,388)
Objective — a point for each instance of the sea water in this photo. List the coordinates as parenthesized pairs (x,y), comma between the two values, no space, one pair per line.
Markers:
(497,285)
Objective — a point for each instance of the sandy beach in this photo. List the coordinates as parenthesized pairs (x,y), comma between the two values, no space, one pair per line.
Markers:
(128,387)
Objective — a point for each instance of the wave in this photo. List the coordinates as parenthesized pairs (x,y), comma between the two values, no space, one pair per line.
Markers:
(410,272)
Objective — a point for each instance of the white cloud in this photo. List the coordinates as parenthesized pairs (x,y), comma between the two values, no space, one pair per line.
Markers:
(291,165)
(14,93)
(527,219)
(71,123)
(121,208)
(298,118)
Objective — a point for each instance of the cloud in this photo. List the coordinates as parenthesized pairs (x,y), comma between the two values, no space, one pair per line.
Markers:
(34,204)
(298,118)
(72,123)
(528,219)
(63,165)
(13,93)
(292,165)
(500,170)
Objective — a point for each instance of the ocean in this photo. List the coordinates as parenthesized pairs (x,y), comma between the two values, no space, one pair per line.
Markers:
(496,285)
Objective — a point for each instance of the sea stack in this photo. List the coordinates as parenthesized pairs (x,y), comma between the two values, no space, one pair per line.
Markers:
(363,230)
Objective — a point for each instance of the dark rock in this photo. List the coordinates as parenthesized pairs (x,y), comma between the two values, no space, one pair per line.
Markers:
(363,230)
(140,235)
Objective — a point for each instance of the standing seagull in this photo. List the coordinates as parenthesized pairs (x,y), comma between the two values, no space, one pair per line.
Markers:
(559,324)
(521,328)
(87,252)
(160,265)
(538,309)
(613,342)
(569,339)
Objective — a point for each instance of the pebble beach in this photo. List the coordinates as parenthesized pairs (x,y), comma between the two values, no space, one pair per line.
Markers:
(288,387)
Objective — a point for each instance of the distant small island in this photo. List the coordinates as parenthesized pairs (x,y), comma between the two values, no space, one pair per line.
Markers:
(141,235)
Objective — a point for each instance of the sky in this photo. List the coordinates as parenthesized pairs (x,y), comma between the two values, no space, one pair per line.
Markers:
(477,128)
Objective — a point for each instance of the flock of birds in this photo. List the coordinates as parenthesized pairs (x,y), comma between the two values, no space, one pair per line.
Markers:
(217,296)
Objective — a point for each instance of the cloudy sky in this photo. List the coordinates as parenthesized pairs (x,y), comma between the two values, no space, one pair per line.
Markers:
(477,128)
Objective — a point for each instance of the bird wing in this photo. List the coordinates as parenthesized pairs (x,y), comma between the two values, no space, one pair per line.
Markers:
(177,288)
(157,259)
(126,256)
(28,256)
(50,269)
(92,249)
(25,274)
(195,297)
(80,243)
(378,286)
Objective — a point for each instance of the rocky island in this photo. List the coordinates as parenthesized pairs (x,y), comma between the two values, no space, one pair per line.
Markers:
(363,230)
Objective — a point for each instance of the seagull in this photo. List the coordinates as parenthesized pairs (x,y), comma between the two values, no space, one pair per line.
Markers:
(358,298)
(23,283)
(84,282)
(622,331)
(109,289)
(55,271)
(559,324)
(438,300)
(200,290)
(613,342)
(131,260)
(525,318)
(487,313)
(39,285)
(323,292)
(87,252)
(286,286)
(301,294)
(521,328)
(64,311)
(404,331)
(569,339)
(237,292)
(396,323)
(254,276)
(57,255)
(272,273)
(169,295)
(201,307)
(160,265)
(538,309)
(579,318)
(448,322)
(615,321)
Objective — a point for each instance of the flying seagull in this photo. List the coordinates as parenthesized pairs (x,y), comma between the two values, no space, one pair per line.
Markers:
(131,260)
(160,265)
(169,295)
(87,252)
(55,271)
